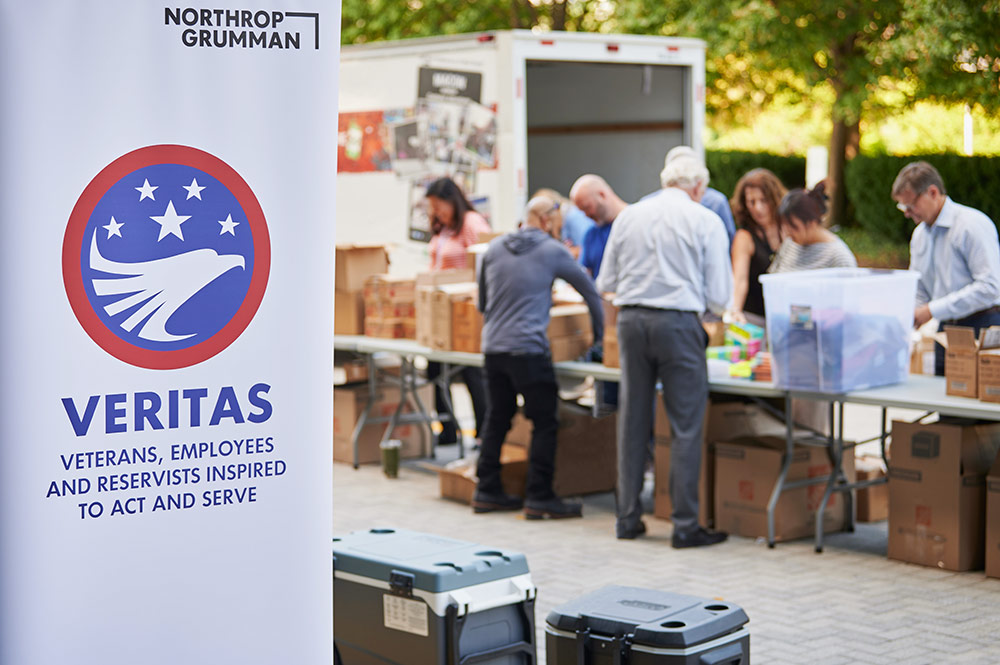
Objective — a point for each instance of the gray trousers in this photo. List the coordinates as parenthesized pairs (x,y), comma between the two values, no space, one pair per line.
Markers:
(668,345)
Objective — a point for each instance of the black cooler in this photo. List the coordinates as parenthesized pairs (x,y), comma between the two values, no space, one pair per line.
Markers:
(620,625)
(409,598)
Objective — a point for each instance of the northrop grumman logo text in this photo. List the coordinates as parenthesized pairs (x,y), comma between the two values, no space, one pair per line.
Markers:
(242,28)
(166,257)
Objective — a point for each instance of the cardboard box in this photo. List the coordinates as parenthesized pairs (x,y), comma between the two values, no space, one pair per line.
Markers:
(989,364)
(434,312)
(745,474)
(348,405)
(569,348)
(440,277)
(716,331)
(961,362)
(458,477)
(356,263)
(937,492)
(922,356)
(466,326)
(871,503)
(569,321)
(586,450)
(350,371)
(390,310)
(724,421)
(611,358)
(993,521)
(348,313)
(384,328)
(610,317)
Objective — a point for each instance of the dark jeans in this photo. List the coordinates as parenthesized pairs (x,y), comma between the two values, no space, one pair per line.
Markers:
(531,376)
(976,321)
(473,378)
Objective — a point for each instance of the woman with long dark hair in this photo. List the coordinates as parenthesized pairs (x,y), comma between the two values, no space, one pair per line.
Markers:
(456,225)
(755,209)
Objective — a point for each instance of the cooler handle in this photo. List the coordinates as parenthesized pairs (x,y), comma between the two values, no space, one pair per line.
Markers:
(730,654)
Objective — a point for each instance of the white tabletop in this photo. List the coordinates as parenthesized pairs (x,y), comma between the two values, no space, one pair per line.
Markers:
(918,392)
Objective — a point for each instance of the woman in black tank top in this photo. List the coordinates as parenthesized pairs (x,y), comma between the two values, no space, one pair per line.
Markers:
(755,208)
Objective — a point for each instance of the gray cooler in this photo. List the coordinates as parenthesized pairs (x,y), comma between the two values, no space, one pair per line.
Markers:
(407,598)
(620,625)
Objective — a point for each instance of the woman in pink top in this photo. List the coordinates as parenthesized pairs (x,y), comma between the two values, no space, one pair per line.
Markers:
(456,226)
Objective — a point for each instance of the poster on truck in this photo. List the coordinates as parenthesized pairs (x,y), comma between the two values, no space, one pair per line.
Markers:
(167,189)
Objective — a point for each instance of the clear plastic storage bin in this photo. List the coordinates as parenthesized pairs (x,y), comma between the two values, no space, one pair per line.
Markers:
(839,329)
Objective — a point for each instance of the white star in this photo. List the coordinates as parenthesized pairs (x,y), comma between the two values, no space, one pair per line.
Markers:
(170,222)
(229,226)
(114,228)
(146,191)
(194,190)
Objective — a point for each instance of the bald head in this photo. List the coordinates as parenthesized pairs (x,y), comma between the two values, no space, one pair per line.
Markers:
(594,196)
(540,212)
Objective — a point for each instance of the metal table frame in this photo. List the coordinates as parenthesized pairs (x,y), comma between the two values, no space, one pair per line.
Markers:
(921,393)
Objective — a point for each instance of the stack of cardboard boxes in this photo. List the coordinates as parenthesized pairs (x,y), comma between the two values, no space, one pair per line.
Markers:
(389,307)
(937,492)
(993,521)
(348,405)
(436,293)
(972,366)
(585,458)
(355,264)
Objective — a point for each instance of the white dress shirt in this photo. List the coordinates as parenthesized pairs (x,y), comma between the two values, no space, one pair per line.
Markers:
(958,258)
(668,252)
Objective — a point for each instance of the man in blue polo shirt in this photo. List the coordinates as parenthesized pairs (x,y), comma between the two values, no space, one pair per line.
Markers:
(592,194)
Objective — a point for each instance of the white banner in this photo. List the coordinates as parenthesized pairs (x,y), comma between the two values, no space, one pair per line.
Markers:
(167,205)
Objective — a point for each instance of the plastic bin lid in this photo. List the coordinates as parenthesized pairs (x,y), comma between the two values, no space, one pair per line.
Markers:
(436,563)
(652,618)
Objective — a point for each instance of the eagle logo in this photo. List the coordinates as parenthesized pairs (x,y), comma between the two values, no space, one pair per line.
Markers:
(166,257)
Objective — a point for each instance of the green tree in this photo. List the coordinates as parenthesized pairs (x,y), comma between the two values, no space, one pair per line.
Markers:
(873,54)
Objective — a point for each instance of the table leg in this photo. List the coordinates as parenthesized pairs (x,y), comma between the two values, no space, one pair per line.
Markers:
(835,452)
(786,462)
(372,395)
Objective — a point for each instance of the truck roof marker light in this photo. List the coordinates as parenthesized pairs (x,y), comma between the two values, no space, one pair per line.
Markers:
(612,48)
(673,49)
(548,42)
(485,37)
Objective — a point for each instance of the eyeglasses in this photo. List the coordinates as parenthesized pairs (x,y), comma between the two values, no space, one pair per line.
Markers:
(904,208)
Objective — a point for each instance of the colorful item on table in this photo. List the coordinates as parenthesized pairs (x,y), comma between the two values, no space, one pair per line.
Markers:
(742,334)
(741,370)
(728,353)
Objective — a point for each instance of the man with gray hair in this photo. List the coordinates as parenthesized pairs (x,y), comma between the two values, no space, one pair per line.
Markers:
(955,250)
(712,199)
(667,261)
(515,296)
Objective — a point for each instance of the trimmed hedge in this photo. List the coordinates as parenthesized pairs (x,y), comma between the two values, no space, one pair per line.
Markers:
(972,181)
(727,167)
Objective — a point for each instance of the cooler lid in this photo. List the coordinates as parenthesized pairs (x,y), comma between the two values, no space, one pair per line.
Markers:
(437,563)
(653,618)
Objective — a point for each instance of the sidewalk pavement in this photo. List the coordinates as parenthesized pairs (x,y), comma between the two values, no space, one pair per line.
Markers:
(849,604)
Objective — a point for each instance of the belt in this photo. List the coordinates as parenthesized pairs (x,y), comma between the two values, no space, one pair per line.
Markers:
(995,309)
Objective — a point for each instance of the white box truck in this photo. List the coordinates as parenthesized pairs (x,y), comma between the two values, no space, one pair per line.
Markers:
(505,113)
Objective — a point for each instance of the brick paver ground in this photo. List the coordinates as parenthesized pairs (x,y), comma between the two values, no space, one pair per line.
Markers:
(849,604)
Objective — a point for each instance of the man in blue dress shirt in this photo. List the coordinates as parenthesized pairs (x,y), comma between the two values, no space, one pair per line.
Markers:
(956,251)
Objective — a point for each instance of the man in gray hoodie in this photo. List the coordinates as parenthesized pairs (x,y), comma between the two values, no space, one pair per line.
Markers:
(515,295)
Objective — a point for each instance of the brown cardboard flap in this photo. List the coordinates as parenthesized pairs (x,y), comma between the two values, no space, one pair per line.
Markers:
(989,338)
(960,339)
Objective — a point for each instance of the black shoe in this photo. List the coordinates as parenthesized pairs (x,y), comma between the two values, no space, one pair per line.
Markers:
(488,502)
(633,533)
(698,537)
(551,508)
